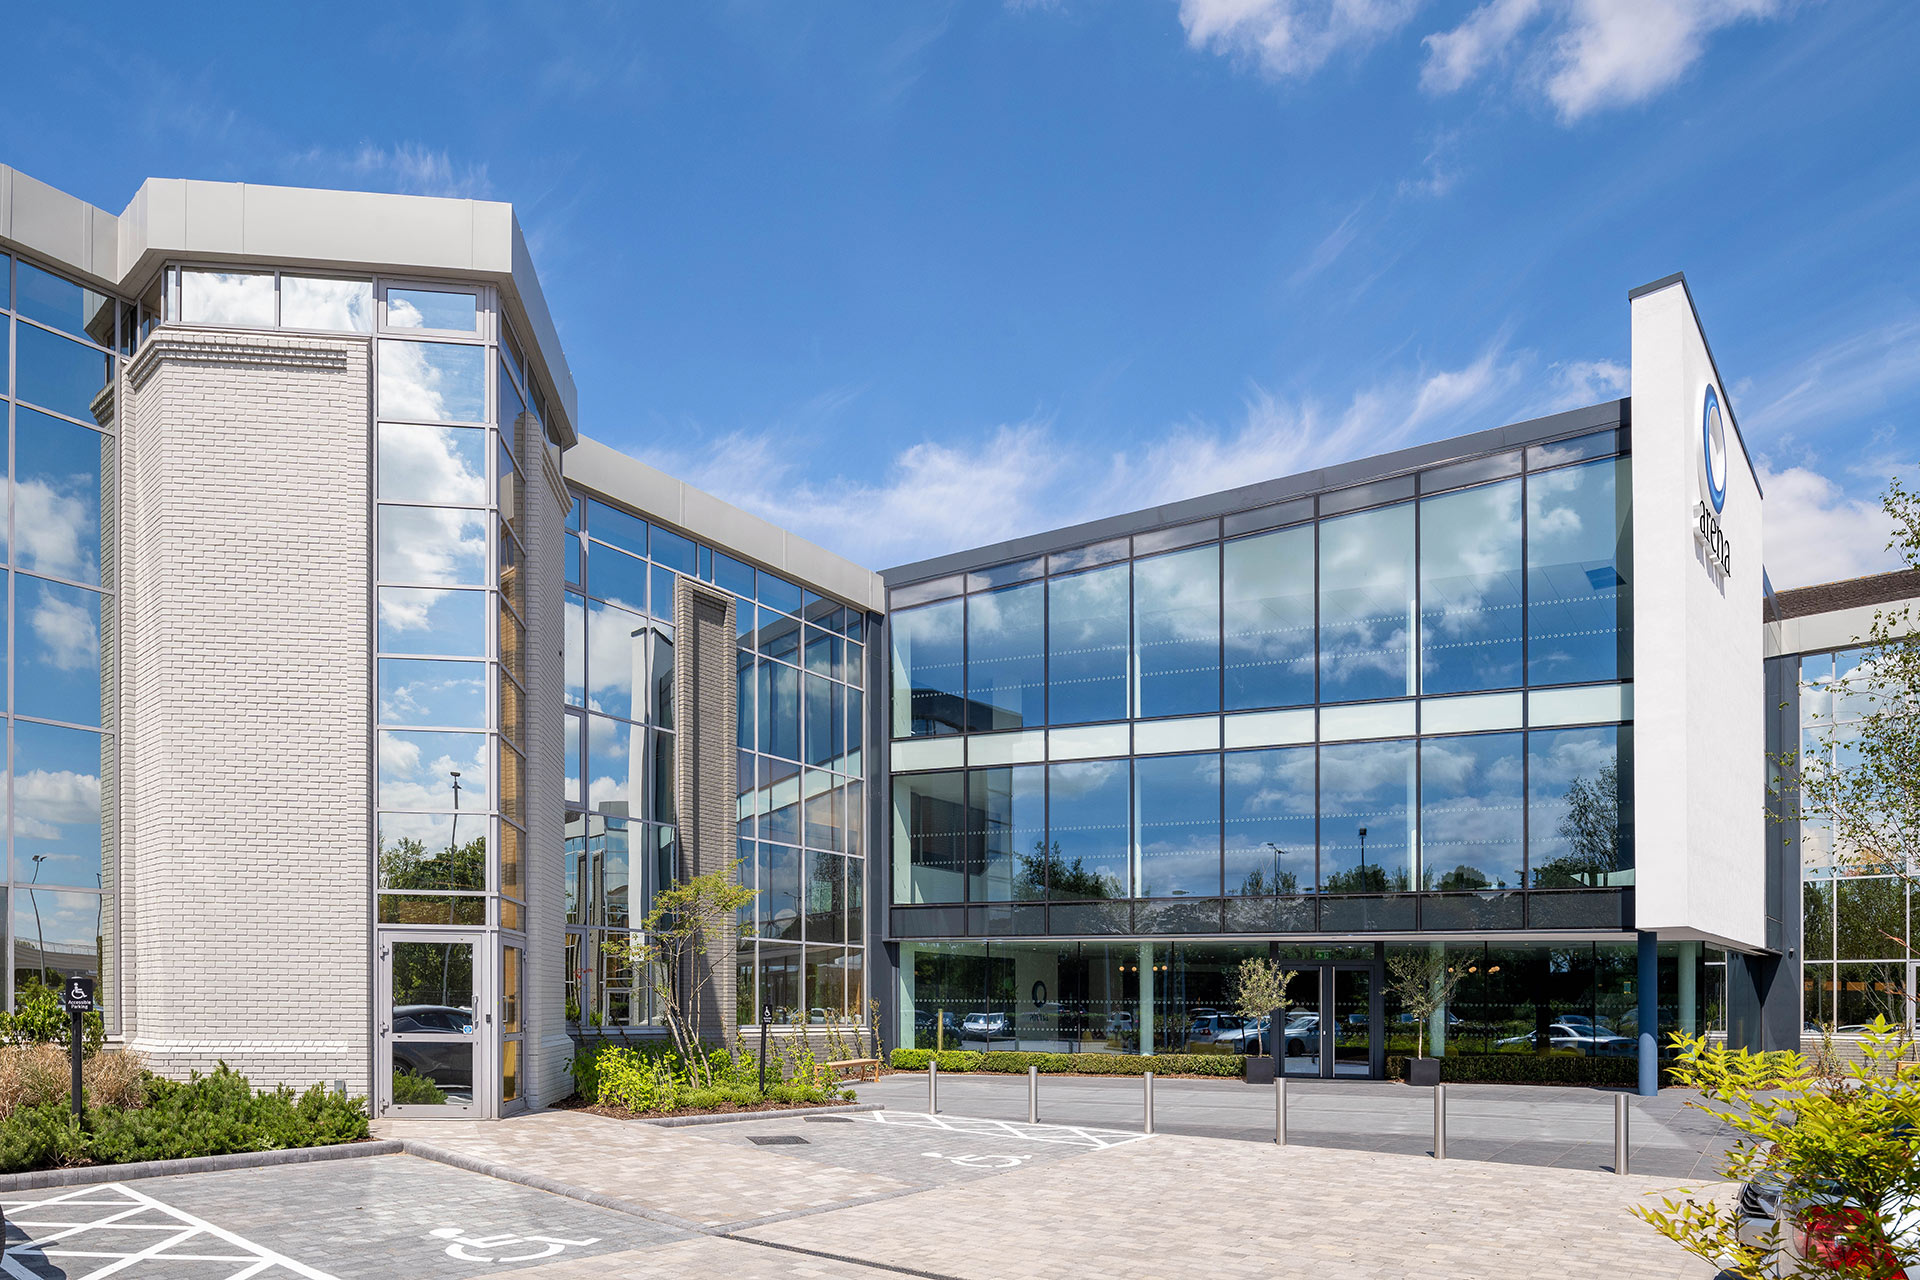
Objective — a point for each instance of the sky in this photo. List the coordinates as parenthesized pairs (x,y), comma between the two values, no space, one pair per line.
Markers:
(913,277)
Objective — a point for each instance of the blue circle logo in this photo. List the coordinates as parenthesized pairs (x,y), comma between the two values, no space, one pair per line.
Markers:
(1713,449)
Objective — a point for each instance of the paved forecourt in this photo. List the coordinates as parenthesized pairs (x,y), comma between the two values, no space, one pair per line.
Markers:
(565,1195)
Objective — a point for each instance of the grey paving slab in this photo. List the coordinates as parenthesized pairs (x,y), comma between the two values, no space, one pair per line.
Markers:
(382,1217)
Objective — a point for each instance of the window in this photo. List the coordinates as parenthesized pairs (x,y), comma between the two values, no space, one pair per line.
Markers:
(1471,613)
(1087,645)
(1176,832)
(1270,811)
(1267,619)
(1366,605)
(1579,573)
(1176,632)
(1472,814)
(1367,817)
(1006,657)
(928,645)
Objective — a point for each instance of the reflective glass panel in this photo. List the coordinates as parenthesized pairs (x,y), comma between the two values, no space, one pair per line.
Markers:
(1472,812)
(779,699)
(1269,806)
(1367,787)
(1366,605)
(63,304)
(1176,830)
(575,646)
(433,381)
(420,463)
(1088,829)
(56,650)
(60,374)
(931,837)
(1007,657)
(452,312)
(57,492)
(433,546)
(416,770)
(433,851)
(1471,614)
(826,897)
(671,549)
(929,694)
(240,298)
(616,660)
(777,593)
(510,406)
(1176,632)
(1579,561)
(57,803)
(431,692)
(1087,646)
(1577,821)
(1011,807)
(779,873)
(341,306)
(779,636)
(617,577)
(616,767)
(612,525)
(825,729)
(1267,619)
(56,936)
(429,621)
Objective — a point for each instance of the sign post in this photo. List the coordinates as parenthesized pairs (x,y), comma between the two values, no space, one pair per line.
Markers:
(78,997)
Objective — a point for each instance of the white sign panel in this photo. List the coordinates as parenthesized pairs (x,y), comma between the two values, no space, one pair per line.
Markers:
(1699,734)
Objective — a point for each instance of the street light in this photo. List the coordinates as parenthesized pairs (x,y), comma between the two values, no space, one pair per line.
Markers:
(1363,858)
(453,845)
(1276,866)
(39,937)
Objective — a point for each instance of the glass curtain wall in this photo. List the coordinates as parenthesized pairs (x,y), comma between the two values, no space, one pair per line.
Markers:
(800,722)
(1856,935)
(57,587)
(1502,579)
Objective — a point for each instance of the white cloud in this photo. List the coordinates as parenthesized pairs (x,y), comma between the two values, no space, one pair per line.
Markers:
(406,168)
(1584,382)
(1290,37)
(1817,532)
(1584,55)
(68,631)
(51,798)
(57,530)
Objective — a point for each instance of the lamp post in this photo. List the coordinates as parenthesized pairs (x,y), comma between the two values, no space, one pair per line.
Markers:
(453,846)
(40,938)
(1363,858)
(1276,867)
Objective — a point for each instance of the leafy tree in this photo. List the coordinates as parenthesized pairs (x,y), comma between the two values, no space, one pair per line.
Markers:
(1046,873)
(1425,984)
(1260,987)
(1263,883)
(672,952)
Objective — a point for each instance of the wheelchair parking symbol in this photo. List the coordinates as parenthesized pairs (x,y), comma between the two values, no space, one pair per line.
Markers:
(462,1243)
(975,1161)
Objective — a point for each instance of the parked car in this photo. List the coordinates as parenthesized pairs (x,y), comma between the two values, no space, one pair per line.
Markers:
(1582,1038)
(1816,1226)
(1228,1031)
(448,1063)
(1300,1037)
(987,1026)
(928,1027)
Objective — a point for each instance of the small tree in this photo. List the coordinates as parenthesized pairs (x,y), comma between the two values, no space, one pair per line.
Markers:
(1260,988)
(1425,986)
(672,952)
(1849,1134)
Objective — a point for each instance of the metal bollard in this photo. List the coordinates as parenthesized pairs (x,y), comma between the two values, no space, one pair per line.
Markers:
(1622,1113)
(1439,1122)
(933,1086)
(1149,1128)
(1280,1111)
(1033,1095)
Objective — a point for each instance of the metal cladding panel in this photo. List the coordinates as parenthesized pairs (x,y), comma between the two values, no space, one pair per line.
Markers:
(1699,735)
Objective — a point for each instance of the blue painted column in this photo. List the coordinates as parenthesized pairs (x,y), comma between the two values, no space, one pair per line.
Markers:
(1647,989)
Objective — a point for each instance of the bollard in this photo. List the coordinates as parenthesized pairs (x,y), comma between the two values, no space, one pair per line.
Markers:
(1033,1095)
(1149,1128)
(933,1086)
(1439,1122)
(1280,1111)
(1622,1111)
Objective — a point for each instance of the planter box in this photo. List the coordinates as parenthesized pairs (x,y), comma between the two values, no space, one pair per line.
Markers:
(1260,1070)
(1424,1072)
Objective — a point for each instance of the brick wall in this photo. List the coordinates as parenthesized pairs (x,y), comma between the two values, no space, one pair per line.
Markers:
(245,689)
(705,765)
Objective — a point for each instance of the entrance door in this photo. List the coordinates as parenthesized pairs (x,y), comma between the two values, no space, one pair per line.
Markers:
(1352,1022)
(1332,1027)
(435,1027)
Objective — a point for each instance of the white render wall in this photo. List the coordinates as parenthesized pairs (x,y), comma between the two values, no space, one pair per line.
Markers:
(244,632)
(1698,652)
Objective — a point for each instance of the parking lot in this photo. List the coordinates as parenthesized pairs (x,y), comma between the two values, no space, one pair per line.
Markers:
(559,1195)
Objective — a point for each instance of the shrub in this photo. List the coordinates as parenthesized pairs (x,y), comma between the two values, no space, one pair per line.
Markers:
(42,1075)
(410,1090)
(1230,1066)
(652,1079)
(38,1017)
(1528,1068)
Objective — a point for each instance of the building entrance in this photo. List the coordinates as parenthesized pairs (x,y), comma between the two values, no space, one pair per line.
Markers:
(435,1033)
(1333,1027)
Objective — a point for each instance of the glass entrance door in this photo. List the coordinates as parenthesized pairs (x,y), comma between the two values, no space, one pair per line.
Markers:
(435,1030)
(1352,1023)
(1299,1037)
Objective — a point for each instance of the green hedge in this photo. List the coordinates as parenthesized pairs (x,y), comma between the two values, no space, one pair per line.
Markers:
(1086,1064)
(1528,1068)
(205,1116)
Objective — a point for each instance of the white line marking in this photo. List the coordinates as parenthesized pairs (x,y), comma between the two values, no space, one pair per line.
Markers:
(1058,1134)
(253,1259)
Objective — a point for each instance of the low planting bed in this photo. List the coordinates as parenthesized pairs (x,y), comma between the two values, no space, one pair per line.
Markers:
(656,1081)
(1015,1062)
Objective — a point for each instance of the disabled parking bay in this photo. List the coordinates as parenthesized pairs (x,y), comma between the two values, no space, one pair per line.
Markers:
(383,1216)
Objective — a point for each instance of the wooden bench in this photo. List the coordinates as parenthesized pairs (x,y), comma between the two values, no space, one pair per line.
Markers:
(829,1072)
